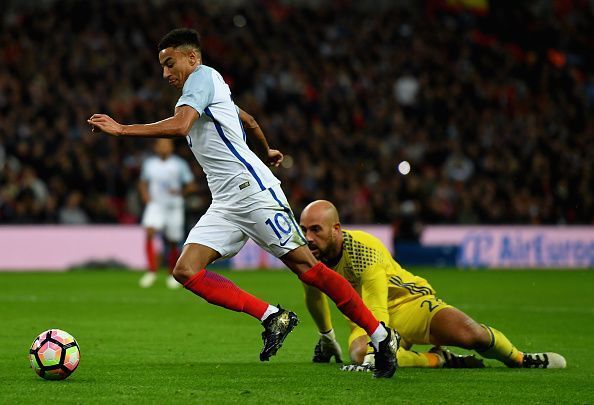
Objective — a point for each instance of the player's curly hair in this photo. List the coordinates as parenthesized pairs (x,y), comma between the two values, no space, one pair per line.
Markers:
(179,37)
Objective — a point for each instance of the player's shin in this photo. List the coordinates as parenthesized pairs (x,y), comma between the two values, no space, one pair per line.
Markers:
(346,298)
(220,291)
(501,349)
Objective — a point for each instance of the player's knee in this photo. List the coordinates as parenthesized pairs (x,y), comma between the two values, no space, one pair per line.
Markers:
(299,260)
(358,350)
(357,355)
(182,272)
(150,233)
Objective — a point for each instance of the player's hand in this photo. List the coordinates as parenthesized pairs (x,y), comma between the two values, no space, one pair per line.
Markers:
(275,157)
(365,367)
(326,348)
(104,123)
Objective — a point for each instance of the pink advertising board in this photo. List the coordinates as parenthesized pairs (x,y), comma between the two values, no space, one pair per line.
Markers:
(57,248)
(49,247)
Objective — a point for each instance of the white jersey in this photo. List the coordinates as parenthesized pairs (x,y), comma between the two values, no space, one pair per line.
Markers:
(218,140)
(166,179)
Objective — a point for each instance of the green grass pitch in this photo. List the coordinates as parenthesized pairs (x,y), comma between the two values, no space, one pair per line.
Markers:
(168,346)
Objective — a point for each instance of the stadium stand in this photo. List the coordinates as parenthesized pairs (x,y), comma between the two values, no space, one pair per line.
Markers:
(492,108)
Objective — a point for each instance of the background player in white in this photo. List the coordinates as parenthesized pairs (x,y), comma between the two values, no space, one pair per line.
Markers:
(247,201)
(164,180)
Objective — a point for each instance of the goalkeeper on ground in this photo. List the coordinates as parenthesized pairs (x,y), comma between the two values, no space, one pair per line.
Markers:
(401,300)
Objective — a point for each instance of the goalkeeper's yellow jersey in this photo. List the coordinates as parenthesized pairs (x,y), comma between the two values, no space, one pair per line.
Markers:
(368,265)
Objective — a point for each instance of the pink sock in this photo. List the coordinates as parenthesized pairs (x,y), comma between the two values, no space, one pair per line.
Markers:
(150,255)
(343,294)
(220,291)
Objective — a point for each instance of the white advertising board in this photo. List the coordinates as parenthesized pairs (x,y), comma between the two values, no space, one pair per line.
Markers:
(516,246)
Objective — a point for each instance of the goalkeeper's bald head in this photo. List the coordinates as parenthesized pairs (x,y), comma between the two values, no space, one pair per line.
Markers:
(320,223)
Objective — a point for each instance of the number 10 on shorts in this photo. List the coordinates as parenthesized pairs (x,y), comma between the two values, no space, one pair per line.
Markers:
(281,227)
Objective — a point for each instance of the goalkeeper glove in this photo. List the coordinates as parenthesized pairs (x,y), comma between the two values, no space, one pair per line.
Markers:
(327,347)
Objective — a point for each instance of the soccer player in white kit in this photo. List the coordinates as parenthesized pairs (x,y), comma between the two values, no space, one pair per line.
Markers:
(164,180)
(247,202)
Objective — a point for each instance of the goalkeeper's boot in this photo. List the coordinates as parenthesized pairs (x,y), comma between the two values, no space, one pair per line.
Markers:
(453,360)
(276,328)
(543,360)
(385,355)
(358,368)
(366,366)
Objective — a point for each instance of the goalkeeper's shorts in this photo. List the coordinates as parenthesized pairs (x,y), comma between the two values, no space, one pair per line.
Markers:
(412,320)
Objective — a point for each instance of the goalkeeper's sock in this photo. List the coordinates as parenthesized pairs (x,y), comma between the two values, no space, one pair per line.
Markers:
(151,257)
(502,349)
(409,358)
(346,298)
(220,291)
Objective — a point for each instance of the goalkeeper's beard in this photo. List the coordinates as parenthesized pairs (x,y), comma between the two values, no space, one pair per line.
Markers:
(325,255)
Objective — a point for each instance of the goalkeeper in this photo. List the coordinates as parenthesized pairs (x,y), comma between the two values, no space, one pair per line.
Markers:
(401,300)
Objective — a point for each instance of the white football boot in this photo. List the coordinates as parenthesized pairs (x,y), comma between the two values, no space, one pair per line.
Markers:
(172,282)
(148,279)
(543,360)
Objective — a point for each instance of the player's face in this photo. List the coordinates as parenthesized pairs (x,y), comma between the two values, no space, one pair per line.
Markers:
(164,148)
(178,64)
(321,237)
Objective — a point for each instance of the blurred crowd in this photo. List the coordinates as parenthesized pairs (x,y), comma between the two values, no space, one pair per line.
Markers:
(492,108)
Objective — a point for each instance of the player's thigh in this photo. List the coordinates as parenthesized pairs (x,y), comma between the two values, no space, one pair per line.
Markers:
(153,216)
(412,319)
(194,257)
(271,223)
(454,328)
(174,225)
(216,231)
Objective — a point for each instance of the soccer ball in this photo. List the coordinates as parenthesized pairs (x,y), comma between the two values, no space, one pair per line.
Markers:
(54,354)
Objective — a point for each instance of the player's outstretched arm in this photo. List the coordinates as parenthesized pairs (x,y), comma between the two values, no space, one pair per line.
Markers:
(253,131)
(176,126)
(318,308)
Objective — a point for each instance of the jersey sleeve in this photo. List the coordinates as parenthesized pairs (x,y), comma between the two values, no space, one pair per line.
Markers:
(374,291)
(198,91)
